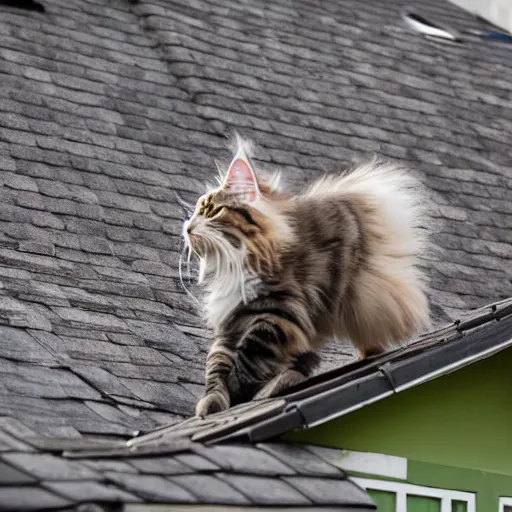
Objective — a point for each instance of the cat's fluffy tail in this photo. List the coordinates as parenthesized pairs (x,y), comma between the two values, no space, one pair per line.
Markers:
(387,302)
(395,192)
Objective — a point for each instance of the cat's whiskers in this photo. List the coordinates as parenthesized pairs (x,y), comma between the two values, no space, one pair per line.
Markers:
(189,257)
(180,273)
(187,207)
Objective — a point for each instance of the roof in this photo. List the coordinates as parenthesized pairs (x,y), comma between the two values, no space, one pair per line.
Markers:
(107,109)
(268,474)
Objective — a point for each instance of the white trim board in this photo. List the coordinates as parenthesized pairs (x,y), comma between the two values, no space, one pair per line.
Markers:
(504,502)
(363,462)
(403,490)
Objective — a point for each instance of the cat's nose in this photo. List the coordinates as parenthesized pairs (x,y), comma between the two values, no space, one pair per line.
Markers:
(187,228)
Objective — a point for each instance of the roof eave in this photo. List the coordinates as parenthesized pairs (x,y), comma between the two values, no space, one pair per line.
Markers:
(386,379)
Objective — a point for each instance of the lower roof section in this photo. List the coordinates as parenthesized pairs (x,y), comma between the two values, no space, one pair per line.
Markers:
(35,475)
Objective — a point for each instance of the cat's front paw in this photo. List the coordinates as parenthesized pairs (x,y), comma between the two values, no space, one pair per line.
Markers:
(213,402)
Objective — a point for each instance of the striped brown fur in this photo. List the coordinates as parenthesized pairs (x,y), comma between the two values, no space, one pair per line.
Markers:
(286,273)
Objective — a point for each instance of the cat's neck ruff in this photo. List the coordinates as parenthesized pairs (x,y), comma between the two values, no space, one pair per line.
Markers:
(226,290)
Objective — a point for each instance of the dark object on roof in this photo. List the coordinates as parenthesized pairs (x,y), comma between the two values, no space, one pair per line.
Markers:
(29,5)
(428,28)
(492,34)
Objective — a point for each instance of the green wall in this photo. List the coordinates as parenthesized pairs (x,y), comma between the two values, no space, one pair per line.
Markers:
(463,420)
(487,486)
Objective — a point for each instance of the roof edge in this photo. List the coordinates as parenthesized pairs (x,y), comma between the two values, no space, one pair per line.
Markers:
(386,379)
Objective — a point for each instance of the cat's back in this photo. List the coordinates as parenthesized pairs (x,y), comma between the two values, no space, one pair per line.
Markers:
(321,220)
(376,178)
(382,198)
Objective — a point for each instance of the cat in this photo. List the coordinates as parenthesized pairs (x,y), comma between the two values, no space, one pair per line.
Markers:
(284,273)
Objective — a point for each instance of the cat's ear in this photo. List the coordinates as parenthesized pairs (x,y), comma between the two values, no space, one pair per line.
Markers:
(241,178)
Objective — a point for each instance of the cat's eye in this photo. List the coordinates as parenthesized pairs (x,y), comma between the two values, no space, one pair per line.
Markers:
(208,210)
(205,207)
(215,212)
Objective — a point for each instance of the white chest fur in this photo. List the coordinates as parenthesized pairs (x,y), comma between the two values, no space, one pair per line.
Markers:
(226,294)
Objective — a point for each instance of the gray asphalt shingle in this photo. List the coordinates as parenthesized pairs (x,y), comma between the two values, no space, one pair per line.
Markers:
(267,490)
(28,498)
(236,458)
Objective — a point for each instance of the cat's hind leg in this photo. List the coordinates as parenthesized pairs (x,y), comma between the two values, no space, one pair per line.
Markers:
(279,383)
(303,367)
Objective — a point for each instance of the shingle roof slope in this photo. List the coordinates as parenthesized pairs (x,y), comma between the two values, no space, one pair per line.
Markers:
(108,108)
(35,477)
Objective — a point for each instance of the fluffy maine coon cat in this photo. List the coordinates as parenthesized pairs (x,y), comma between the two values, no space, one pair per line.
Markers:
(285,273)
